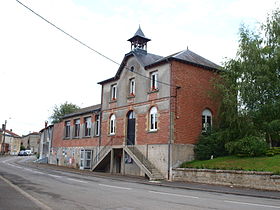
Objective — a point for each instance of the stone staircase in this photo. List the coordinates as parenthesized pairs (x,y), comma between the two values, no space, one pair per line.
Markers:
(100,156)
(150,170)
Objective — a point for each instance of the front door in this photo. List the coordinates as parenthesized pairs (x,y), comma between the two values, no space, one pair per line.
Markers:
(130,139)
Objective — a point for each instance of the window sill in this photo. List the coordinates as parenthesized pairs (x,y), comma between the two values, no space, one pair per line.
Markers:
(76,137)
(87,137)
(112,101)
(130,96)
(112,134)
(66,138)
(153,131)
(153,91)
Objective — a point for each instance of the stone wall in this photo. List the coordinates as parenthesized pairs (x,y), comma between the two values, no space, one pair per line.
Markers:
(249,179)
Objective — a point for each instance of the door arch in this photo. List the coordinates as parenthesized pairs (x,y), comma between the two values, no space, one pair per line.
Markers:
(130,130)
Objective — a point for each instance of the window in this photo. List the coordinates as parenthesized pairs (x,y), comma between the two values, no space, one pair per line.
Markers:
(113,92)
(112,125)
(154,80)
(153,119)
(67,129)
(76,128)
(97,121)
(132,87)
(206,120)
(87,126)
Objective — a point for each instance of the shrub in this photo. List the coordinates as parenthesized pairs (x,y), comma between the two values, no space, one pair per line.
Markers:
(208,145)
(251,146)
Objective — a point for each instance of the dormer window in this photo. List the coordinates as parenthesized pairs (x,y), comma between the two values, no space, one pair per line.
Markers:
(154,80)
(132,87)
(114,92)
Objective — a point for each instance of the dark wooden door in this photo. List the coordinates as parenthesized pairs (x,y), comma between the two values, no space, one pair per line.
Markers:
(130,128)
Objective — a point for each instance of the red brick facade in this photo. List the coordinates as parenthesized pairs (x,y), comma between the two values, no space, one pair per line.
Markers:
(59,139)
(193,96)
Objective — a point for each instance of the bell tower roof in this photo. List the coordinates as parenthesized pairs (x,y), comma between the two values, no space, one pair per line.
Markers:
(139,40)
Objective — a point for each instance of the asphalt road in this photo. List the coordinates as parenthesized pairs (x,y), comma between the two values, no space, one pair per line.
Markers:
(25,187)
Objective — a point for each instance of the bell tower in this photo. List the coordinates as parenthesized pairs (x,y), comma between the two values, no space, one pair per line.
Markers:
(139,41)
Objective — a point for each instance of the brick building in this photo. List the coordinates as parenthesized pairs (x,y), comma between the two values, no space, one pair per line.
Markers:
(151,114)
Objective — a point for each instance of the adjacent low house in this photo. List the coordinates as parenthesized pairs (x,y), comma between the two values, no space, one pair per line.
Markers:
(11,144)
(152,112)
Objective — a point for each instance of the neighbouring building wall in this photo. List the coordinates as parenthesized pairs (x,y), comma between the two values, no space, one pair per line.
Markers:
(193,96)
(32,142)
(15,146)
(66,150)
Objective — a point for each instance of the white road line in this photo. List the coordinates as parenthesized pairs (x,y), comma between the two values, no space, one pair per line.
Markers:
(253,204)
(53,175)
(178,195)
(111,186)
(76,180)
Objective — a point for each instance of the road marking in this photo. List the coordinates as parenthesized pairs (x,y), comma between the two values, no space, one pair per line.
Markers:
(178,195)
(76,180)
(123,188)
(14,165)
(54,176)
(27,195)
(253,204)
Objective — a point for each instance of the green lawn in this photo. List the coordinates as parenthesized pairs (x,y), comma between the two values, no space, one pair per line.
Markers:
(271,164)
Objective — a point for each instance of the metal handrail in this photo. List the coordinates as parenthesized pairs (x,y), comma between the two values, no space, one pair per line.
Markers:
(102,151)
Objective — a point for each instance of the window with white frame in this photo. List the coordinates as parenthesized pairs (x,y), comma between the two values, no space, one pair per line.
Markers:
(112,127)
(87,126)
(67,129)
(132,87)
(206,120)
(114,92)
(154,80)
(97,125)
(153,119)
(76,128)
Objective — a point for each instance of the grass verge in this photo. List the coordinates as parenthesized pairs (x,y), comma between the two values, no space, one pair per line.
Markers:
(271,164)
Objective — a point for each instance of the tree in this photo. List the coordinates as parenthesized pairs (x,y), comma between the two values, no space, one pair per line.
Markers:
(251,84)
(61,110)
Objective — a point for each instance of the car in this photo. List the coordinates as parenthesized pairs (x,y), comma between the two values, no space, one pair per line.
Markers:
(22,153)
(29,152)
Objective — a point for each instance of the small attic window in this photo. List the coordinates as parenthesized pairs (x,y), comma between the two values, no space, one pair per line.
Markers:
(132,68)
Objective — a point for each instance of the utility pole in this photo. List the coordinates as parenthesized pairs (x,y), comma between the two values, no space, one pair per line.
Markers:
(4,134)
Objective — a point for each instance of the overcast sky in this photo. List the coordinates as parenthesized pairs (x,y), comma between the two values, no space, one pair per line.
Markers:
(41,67)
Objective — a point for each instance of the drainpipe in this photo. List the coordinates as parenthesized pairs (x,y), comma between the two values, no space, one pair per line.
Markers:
(171,124)
(169,171)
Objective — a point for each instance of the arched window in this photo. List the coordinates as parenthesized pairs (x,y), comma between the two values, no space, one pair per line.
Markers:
(206,120)
(112,127)
(153,119)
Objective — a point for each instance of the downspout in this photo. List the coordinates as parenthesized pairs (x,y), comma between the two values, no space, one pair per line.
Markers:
(172,121)
(169,170)
(100,122)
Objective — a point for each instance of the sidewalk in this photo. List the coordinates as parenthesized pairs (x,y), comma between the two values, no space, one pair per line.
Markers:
(181,185)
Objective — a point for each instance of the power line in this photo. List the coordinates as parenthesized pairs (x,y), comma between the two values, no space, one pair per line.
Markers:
(84,44)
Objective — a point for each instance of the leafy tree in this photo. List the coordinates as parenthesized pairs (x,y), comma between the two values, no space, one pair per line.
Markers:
(61,110)
(251,85)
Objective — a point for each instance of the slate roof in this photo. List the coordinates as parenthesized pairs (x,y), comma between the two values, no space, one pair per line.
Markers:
(86,110)
(189,57)
(139,33)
